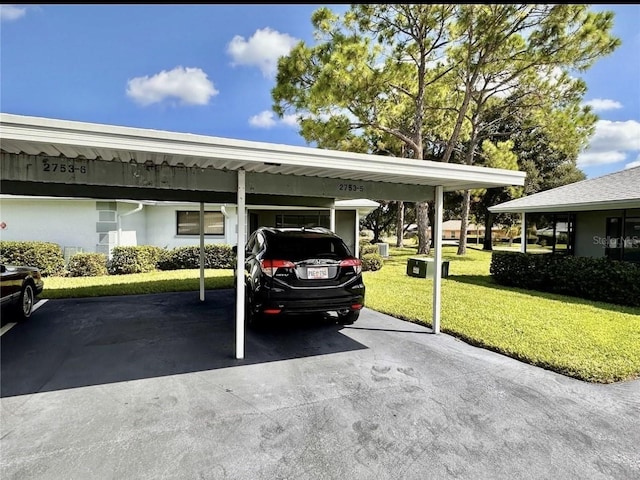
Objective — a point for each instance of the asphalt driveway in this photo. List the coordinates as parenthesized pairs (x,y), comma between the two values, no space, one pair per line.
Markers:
(147,387)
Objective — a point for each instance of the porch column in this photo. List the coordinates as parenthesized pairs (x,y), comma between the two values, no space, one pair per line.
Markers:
(523,234)
(202,251)
(332,219)
(437,254)
(240,267)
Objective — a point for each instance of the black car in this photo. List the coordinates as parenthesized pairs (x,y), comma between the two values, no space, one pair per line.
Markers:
(299,271)
(19,287)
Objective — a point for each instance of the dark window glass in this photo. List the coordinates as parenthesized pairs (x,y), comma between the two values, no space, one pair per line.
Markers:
(299,248)
(613,248)
(631,239)
(316,219)
(189,223)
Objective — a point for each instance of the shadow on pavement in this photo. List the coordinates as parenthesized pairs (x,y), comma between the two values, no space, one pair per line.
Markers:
(80,342)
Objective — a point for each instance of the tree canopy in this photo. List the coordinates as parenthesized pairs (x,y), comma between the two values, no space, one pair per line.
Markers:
(431,81)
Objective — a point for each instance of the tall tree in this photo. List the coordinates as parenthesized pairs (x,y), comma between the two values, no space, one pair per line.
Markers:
(421,76)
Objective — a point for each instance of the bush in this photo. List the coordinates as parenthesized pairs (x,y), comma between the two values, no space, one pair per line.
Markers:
(215,256)
(87,265)
(135,259)
(368,249)
(372,261)
(46,256)
(597,279)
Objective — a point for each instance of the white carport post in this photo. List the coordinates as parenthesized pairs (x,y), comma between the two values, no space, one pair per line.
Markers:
(332,218)
(437,247)
(240,267)
(523,234)
(202,251)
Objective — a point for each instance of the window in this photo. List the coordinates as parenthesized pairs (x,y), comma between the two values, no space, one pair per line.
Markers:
(309,219)
(631,239)
(188,223)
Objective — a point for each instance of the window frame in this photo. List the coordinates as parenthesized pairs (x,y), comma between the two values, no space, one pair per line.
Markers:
(197,212)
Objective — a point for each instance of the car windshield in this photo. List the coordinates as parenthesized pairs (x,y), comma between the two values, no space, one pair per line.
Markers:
(297,247)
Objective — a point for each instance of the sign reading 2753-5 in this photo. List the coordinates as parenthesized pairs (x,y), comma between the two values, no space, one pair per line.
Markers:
(350,187)
(62,166)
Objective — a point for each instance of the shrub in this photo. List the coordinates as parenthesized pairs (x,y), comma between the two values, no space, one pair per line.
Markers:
(46,256)
(368,249)
(372,262)
(87,265)
(598,279)
(215,256)
(135,259)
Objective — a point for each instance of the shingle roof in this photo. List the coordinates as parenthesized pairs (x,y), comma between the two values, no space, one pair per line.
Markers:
(612,191)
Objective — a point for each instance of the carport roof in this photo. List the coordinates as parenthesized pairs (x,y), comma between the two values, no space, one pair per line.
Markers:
(72,139)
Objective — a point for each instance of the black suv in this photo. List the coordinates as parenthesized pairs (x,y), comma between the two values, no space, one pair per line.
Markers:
(301,270)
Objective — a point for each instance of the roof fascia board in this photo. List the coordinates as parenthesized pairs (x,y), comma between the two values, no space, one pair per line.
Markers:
(88,135)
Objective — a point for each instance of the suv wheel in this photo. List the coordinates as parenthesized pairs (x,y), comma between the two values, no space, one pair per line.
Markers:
(348,318)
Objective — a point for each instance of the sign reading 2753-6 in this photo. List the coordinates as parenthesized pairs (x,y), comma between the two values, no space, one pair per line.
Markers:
(350,187)
(55,165)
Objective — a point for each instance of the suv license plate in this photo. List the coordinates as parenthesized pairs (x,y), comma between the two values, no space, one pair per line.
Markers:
(317,273)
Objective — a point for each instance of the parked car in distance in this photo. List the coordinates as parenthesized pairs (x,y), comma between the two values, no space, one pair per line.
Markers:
(19,287)
(299,271)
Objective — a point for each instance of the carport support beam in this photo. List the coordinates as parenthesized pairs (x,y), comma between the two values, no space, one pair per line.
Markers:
(202,251)
(240,293)
(523,234)
(437,247)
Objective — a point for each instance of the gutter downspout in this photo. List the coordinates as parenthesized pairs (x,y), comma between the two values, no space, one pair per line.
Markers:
(119,231)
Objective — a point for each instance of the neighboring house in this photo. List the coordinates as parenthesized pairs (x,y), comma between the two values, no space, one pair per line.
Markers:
(600,217)
(451,230)
(94,225)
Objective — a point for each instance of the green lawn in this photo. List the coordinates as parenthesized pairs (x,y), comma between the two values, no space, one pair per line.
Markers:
(592,341)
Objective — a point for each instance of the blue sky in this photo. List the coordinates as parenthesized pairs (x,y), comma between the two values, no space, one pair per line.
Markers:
(209,69)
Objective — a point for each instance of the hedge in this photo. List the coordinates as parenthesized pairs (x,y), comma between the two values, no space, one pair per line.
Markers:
(134,259)
(46,256)
(215,256)
(598,279)
(87,265)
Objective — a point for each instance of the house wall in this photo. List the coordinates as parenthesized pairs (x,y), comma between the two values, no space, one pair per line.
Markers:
(69,224)
(591,232)
(161,226)
(92,225)
(345,228)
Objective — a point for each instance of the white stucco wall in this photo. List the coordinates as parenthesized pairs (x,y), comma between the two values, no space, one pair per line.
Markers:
(161,226)
(67,223)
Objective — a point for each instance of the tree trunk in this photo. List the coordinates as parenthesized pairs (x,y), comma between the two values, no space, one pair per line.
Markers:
(400,224)
(464,224)
(422,220)
(488,225)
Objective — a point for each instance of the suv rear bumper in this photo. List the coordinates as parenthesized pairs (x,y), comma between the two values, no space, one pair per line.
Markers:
(283,302)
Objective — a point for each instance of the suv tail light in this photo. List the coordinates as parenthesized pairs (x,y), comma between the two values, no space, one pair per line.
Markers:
(269,267)
(352,262)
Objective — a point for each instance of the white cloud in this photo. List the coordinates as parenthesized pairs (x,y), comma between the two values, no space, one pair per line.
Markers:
(603,104)
(268,119)
(9,13)
(189,85)
(634,164)
(612,142)
(264,119)
(262,50)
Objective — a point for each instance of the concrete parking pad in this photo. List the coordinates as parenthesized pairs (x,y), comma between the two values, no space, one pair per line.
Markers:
(147,387)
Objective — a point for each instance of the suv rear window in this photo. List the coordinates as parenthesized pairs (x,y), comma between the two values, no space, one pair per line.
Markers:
(300,247)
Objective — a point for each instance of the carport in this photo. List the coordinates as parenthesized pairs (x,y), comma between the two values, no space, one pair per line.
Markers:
(44,156)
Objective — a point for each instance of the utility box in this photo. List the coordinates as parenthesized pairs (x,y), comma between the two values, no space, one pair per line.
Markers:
(383,249)
(423,267)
